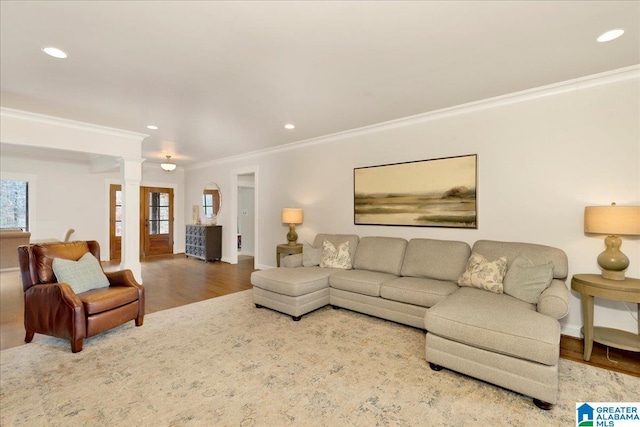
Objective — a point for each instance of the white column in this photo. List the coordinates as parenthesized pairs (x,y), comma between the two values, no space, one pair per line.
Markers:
(131,174)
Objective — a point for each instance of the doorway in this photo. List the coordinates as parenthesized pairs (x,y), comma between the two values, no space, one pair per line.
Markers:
(231,241)
(156,221)
(246,215)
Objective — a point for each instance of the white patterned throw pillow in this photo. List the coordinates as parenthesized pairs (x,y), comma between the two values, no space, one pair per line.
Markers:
(82,275)
(484,274)
(333,257)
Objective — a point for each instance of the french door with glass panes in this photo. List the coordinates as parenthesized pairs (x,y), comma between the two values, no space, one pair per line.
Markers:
(156,221)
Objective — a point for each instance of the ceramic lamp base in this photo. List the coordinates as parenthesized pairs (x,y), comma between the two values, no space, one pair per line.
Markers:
(613,262)
(292,236)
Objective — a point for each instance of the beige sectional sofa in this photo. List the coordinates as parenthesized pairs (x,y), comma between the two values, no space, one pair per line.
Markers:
(496,337)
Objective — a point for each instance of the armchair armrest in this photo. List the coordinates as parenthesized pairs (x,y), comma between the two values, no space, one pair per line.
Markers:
(554,301)
(54,309)
(122,278)
(126,278)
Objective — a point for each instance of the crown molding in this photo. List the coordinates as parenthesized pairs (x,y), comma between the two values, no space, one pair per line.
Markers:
(72,124)
(587,82)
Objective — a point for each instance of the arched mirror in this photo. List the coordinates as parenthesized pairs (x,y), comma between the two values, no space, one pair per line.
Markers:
(211,201)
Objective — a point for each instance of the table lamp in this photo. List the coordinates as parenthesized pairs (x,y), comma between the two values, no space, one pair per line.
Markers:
(292,216)
(614,221)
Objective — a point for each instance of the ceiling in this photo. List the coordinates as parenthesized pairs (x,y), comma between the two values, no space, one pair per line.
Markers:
(221,79)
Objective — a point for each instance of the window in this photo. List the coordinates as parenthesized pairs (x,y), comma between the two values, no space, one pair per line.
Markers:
(158,213)
(14,207)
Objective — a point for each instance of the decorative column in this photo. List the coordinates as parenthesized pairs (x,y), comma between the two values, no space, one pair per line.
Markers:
(131,175)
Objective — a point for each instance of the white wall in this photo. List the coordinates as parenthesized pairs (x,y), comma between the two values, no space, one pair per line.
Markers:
(543,156)
(68,195)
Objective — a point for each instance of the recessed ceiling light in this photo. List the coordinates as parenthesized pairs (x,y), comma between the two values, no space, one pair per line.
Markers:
(289,126)
(610,35)
(55,52)
(152,127)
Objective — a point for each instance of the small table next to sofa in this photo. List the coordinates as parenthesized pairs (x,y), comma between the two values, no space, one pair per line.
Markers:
(287,249)
(594,285)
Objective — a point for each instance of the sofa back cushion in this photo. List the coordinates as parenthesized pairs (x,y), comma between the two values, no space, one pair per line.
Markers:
(336,240)
(538,254)
(435,259)
(383,254)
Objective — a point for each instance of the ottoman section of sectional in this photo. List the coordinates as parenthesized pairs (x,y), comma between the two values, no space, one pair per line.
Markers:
(293,291)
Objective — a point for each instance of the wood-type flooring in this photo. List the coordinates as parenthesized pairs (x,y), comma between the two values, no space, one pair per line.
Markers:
(176,280)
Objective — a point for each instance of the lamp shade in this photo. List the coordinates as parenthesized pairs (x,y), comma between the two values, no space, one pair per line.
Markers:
(292,215)
(613,220)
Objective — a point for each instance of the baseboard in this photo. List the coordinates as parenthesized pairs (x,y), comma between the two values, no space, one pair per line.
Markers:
(571,330)
(7,269)
(263,267)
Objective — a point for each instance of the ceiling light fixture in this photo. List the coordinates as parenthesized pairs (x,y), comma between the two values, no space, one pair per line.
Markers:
(610,35)
(289,126)
(152,127)
(168,165)
(55,52)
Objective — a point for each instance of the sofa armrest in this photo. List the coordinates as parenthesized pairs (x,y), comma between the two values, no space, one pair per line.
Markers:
(292,261)
(554,301)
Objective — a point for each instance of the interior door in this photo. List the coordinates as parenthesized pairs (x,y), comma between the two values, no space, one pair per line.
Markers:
(156,216)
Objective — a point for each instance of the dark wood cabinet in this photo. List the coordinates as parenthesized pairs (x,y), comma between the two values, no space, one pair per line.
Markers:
(204,242)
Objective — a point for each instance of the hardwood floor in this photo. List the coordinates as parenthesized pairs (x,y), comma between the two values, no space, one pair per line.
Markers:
(175,280)
(169,282)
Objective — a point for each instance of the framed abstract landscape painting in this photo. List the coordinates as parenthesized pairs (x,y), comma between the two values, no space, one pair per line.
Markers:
(427,193)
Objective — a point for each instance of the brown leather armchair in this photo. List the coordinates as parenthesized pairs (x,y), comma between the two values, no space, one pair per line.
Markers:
(52,308)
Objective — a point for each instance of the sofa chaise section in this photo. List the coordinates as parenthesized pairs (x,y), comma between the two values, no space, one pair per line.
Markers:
(501,339)
(298,291)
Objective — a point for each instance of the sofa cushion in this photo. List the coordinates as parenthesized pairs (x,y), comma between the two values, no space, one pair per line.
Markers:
(335,257)
(311,256)
(484,274)
(538,254)
(498,323)
(292,281)
(526,281)
(417,291)
(435,259)
(360,281)
(382,254)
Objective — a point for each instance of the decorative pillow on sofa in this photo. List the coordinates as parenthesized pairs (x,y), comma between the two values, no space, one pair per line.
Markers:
(526,281)
(81,275)
(483,274)
(335,258)
(311,256)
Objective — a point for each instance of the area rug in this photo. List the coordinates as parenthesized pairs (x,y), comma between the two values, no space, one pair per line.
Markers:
(222,362)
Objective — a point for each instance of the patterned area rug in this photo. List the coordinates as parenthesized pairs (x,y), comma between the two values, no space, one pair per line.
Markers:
(222,362)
